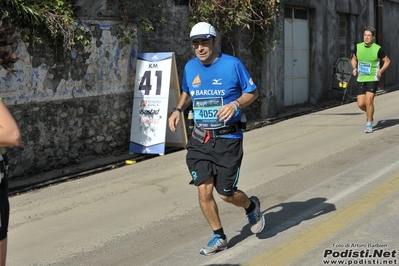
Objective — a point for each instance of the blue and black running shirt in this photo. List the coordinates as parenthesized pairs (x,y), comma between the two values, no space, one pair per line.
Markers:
(213,86)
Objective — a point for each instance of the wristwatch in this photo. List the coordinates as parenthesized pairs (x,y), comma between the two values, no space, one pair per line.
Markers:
(176,109)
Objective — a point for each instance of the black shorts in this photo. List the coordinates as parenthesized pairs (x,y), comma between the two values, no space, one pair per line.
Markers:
(362,87)
(220,158)
(4,208)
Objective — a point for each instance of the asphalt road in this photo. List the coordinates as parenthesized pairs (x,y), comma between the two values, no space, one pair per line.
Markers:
(329,192)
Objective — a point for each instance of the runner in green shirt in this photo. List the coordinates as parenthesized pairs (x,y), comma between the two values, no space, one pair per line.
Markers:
(366,64)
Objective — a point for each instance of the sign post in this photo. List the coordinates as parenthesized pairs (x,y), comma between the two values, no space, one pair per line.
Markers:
(156,92)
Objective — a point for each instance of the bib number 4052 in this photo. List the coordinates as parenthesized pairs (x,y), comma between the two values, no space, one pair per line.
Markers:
(207,113)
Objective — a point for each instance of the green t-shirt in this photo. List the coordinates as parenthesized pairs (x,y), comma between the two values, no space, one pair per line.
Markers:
(368,62)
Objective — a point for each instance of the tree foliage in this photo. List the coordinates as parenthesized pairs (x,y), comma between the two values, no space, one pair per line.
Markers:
(226,15)
(53,17)
(7,56)
(57,18)
(146,14)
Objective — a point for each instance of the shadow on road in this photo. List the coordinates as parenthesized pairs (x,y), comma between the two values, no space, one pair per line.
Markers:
(222,265)
(284,216)
(348,114)
(381,124)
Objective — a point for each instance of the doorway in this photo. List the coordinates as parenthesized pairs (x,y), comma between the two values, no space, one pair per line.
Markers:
(296,56)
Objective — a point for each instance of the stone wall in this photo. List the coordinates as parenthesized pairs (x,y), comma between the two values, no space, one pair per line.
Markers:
(77,107)
(61,133)
(72,108)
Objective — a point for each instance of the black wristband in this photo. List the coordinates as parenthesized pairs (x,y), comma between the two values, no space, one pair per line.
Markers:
(176,109)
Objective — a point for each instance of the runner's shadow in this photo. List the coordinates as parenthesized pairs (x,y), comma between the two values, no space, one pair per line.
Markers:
(287,215)
(381,124)
(222,265)
(284,216)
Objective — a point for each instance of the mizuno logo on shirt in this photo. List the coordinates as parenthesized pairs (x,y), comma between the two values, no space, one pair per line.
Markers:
(217,82)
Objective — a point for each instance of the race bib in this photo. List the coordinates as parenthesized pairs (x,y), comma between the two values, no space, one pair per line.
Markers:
(364,68)
(205,110)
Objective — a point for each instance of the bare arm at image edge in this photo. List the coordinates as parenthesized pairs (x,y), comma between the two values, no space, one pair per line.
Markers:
(9,131)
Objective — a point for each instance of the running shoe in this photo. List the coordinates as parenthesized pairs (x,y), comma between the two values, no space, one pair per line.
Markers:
(255,218)
(215,244)
(369,127)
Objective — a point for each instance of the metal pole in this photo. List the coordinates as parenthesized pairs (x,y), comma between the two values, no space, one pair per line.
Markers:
(379,37)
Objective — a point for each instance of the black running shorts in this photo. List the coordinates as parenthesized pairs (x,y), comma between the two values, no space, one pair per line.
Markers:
(362,87)
(4,208)
(220,158)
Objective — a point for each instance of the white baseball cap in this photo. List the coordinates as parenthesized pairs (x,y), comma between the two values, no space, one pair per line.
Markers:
(202,30)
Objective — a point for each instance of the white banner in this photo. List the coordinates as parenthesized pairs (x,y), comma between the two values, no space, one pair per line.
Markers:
(151,102)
